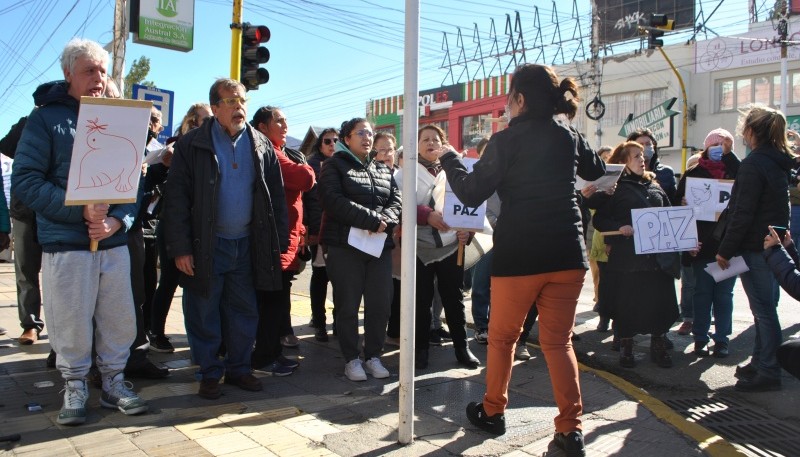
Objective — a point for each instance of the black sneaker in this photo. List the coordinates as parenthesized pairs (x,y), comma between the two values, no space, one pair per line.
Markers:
(290,363)
(435,338)
(571,443)
(495,425)
(443,334)
(160,343)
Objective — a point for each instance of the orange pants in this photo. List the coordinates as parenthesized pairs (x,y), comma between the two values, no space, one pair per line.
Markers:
(556,296)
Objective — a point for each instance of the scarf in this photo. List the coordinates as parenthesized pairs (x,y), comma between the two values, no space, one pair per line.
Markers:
(714,168)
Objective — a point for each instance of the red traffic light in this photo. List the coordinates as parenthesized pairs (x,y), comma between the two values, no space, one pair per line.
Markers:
(255,34)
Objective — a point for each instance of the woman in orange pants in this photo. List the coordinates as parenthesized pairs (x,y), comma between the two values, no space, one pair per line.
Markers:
(540,255)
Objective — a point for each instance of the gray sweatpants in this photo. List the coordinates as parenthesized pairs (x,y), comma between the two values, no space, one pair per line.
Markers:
(80,286)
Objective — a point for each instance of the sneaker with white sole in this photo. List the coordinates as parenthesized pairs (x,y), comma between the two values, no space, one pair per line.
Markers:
(75,396)
(375,368)
(482,336)
(354,371)
(521,352)
(117,394)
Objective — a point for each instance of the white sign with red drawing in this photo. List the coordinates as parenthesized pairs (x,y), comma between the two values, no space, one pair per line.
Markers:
(107,154)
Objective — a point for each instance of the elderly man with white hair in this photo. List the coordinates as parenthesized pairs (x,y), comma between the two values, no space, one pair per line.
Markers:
(80,286)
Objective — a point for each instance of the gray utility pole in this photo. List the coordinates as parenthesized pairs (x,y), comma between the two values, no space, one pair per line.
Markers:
(783,31)
(118,45)
(595,50)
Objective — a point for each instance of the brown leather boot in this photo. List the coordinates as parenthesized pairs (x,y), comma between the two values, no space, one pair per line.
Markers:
(626,359)
(658,351)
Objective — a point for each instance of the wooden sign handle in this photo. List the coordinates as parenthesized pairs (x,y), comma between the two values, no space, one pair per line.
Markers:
(93,245)
(613,232)
(460,256)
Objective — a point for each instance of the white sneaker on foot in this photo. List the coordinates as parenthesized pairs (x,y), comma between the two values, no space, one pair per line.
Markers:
(354,371)
(118,394)
(374,367)
(521,352)
(74,410)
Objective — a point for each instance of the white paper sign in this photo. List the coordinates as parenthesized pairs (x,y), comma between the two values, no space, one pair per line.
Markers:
(110,138)
(736,266)
(458,215)
(366,241)
(708,197)
(605,182)
(662,229)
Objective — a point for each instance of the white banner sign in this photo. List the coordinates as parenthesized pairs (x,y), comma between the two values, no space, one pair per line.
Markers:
(662,229)
(107,153)
(460,216)
(708,197)
(752,48)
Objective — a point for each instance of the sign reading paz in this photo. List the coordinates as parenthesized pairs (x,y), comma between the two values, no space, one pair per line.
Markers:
(107,152)
(460,216)
(708,197)
(661,229)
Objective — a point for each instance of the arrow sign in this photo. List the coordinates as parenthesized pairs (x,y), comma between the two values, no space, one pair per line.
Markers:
(648,119)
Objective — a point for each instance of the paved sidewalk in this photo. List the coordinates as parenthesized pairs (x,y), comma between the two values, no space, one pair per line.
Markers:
(318,412)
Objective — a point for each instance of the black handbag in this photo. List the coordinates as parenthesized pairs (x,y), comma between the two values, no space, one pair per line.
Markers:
(670,263)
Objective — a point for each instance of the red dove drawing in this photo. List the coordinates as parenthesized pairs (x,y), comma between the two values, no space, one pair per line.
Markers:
(110,159)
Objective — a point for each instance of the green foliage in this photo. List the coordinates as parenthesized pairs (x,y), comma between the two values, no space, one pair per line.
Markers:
(137,74)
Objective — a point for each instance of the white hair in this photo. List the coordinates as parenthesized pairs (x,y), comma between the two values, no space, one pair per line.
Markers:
(81,47)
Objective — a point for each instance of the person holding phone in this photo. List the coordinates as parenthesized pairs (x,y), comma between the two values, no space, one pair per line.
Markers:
(717,161)
(759,198)
(780,252)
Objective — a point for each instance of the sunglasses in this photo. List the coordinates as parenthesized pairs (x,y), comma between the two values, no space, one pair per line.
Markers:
(233,101)
(330,140)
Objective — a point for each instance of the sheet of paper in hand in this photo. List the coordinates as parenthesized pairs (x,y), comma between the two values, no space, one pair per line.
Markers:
(605,182)
(460,216)
(708,197)
(664,229)
(106,163)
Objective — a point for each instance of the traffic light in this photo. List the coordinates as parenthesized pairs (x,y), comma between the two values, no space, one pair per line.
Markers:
(658,23)
(253,55)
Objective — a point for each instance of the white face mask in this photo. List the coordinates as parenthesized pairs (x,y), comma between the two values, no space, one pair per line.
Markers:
(648,152)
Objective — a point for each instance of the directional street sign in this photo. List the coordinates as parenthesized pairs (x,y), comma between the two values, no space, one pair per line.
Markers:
(164,100)
(658,120)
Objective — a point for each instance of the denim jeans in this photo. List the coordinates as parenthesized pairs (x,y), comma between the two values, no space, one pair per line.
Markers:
(481,289)
(687,293)
(710,294)
(229,312)
(759,285)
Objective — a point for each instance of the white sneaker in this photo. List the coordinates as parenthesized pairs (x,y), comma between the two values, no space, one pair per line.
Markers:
(354,371)
(482,336)
(374,367)
(521,352)
(74,410)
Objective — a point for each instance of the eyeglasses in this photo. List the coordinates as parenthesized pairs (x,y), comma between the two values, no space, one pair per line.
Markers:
(365,133)
(385,151)
(330,140)
(233,101)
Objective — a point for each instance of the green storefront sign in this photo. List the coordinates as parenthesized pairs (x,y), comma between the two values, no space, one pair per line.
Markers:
(658,120)
(164,23)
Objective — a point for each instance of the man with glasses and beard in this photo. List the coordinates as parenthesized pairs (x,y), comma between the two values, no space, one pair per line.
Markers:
(226,226)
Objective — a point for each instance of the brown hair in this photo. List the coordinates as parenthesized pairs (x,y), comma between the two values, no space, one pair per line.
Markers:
(223,83)
(768,126)
(544,95)
(436,129)
(623,152)
(191,119)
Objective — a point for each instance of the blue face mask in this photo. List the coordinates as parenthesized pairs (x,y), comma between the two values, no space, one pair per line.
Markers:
(648,153)
(715,153)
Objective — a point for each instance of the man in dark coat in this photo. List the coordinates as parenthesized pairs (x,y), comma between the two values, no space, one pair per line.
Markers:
(226,226)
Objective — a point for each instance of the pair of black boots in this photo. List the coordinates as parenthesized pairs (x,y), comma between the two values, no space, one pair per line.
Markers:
(658,352)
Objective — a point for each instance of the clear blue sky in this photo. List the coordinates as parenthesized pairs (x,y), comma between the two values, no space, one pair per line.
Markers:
(328,57)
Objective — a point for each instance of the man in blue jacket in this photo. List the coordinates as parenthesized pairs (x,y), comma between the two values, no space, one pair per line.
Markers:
(79,285)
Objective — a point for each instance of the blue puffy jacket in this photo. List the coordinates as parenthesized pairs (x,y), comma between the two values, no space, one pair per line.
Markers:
(41,168)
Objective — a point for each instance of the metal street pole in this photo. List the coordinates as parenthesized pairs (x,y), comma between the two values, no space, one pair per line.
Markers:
(408,275)
(783,30)
(236,40)
(685,111)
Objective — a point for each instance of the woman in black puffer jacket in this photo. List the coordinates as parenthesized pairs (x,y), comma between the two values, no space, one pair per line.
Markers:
(635,293)
(358,193)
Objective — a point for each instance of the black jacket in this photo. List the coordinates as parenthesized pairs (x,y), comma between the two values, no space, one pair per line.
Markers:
(760,197)
(190,209)
(532,165)
(632,192)
(783,262)
(312,206)
(356,195)
(665,176)
(705,229)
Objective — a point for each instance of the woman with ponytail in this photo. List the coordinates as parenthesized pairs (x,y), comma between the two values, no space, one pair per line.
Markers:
(759,198)
(532,166)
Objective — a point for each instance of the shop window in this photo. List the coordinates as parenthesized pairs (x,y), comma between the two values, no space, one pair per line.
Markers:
(474,128)
(727,100)
(776,90)
(794,93)
(761,92)
(744,92)
(763,89)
